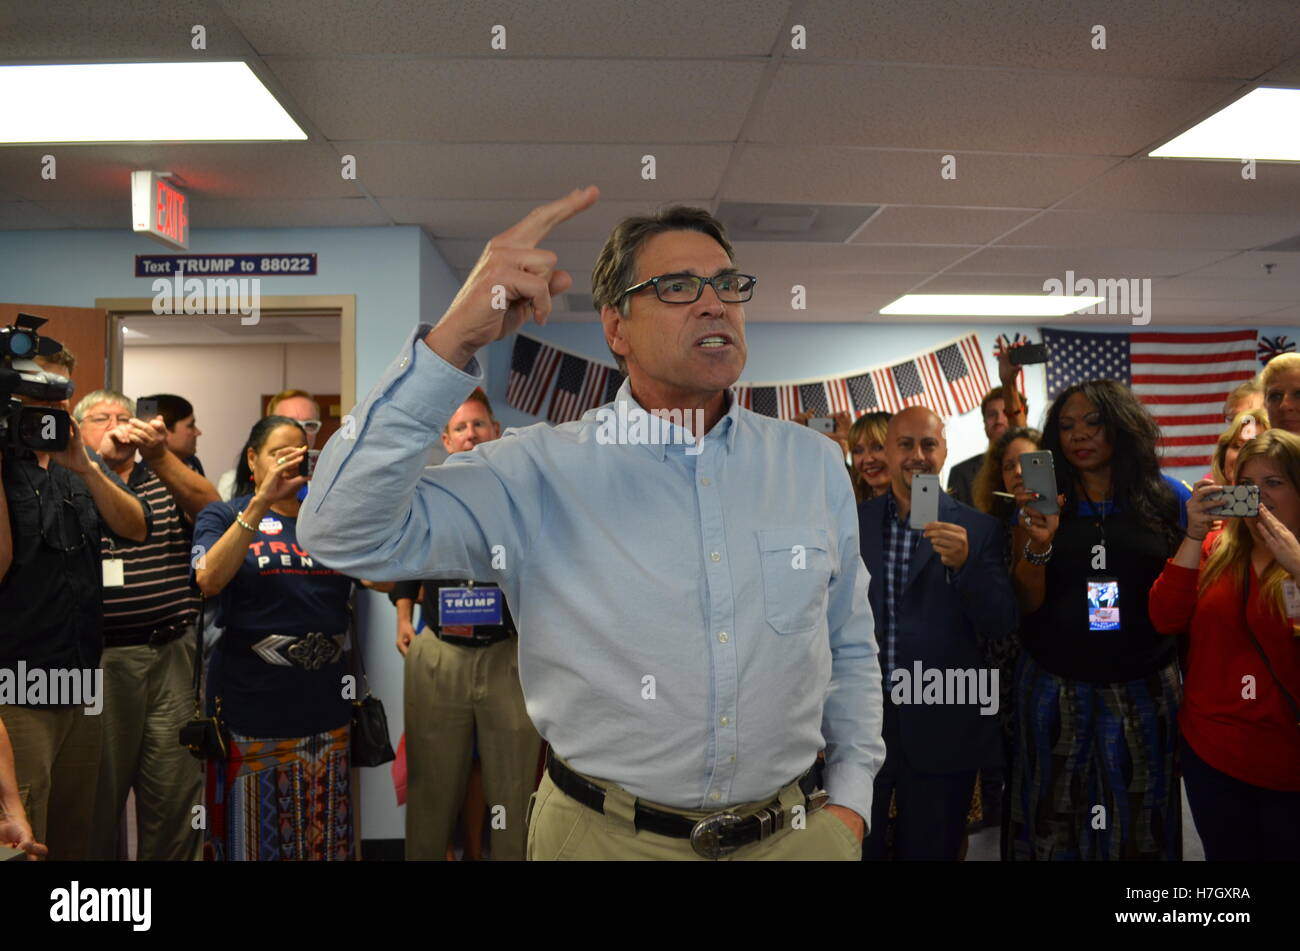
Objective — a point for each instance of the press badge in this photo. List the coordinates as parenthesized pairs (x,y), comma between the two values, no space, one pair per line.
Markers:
(457,606)
(1292,595)
(1103,604)
(114,572)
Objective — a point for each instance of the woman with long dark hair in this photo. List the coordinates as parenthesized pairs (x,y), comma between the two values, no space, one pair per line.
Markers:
(1097,688)
(277,676)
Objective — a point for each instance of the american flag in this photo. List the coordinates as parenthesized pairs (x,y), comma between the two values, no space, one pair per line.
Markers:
(781,402)
(612,384)
(864,393)
(743,396)
(825,399)
(532,364)
(964,372)
(1182,378)
(916,382)
(580,386)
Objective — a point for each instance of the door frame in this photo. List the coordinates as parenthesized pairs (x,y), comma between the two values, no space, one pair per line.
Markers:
(344,306)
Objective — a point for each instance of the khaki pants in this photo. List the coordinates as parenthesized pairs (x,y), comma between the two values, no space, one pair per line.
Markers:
(56,756)
(148,697)
(450,693)
(561,828)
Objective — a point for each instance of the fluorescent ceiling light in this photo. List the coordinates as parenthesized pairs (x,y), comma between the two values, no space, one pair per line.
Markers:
(989,305)
(139,102)
(1264,124)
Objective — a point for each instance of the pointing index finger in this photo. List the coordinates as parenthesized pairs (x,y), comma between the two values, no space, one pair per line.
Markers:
(537,224)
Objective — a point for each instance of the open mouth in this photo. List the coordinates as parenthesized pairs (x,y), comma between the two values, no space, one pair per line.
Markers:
(714,342)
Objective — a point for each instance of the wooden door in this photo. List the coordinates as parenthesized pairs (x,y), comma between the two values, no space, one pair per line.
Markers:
(83,331)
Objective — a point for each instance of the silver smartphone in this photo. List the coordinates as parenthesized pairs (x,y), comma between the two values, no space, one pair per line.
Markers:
(925,500)
(1040,476)
(823,424)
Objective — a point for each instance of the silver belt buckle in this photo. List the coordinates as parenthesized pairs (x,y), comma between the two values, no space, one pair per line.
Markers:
(706,837)
(817,799)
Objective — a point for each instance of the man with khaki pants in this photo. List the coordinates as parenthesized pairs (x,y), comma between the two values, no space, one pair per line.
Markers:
(694,626)
(462,682)
(150,612)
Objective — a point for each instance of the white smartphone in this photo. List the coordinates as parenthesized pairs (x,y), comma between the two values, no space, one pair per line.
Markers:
(925,500)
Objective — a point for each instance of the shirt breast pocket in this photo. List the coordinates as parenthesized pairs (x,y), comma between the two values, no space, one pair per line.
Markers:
(796,569)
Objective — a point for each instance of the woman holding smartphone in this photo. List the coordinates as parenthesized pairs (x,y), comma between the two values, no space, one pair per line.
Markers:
(277,676)
(1093,777)
(1241,739)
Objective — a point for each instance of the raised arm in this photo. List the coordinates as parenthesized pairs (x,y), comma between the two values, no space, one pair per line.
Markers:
(373,511)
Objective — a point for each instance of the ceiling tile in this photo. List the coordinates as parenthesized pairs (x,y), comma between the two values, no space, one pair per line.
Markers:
(536,173)
(1251,266)
(288,213)
(1195,287)
(520,100)
(1131,229)
(28,216)
(137,30)
(681,28)
(1180,185)
(242,170)
(1093,263)
(950,109)
(929,225)
(847,258)
(1167,38)
(482,219)
(869,176)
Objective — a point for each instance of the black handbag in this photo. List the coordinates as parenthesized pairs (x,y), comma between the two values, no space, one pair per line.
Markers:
(205,737)
(371,745)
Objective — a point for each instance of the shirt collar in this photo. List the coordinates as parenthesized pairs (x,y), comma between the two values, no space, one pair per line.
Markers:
(724,429)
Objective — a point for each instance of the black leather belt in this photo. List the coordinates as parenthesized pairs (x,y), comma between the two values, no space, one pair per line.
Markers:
(711,837)
(157,638)
(485,640)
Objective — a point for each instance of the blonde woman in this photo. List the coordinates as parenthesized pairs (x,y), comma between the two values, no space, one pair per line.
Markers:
(1245,427)
(1241,753)
(867,449)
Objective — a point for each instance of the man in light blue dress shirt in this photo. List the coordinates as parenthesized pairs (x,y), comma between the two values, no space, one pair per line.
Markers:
(690,595)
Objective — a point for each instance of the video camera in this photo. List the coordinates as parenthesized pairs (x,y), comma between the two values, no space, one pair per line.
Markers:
(42,428)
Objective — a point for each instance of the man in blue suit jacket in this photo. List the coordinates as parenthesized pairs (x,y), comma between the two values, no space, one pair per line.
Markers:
(931,592)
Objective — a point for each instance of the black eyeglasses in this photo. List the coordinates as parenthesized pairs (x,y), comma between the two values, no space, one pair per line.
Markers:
(687,288)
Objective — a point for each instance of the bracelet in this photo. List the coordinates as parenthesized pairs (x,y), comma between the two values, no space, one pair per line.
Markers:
(1036,559)
(242,524)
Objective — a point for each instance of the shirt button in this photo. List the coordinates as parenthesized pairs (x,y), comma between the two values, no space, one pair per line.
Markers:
(715,795)
(724,721)
(715,556)
(722,638)
(706,481)
(404,362)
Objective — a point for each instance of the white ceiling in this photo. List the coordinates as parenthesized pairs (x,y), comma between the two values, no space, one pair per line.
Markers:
(1048,134)
(148,330)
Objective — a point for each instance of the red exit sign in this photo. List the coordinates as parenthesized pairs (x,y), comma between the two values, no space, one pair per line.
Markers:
(160,209)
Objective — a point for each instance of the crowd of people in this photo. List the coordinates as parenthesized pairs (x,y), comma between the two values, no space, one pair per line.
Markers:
(717,664)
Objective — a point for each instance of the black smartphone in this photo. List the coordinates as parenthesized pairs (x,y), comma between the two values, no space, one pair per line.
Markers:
(146,408)
(308,464)
(1028,353)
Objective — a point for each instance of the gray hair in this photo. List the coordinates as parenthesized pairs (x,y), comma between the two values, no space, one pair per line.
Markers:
(101,396)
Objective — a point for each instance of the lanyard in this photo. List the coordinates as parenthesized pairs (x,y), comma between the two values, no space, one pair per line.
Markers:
(1099,512)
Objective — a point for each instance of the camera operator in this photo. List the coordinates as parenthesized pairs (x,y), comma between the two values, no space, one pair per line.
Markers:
(53,510)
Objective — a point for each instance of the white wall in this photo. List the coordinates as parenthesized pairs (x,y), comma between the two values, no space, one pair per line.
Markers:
(226,383)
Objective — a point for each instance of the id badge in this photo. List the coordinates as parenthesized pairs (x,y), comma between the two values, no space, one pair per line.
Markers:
(1292,595)
(469,606)
(1103,604)
(114,572)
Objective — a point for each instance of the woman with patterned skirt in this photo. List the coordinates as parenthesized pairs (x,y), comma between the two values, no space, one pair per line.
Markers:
(1097,688)
(277,676)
